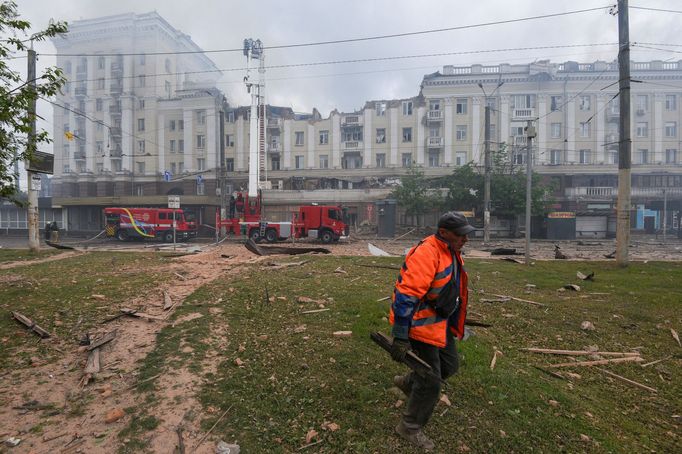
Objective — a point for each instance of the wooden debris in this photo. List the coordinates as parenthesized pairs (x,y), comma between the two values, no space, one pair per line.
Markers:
(54,437)
(599,362)
(534,303)
(385,298)
(315,311)
(585,277)
(578,352)
(494,360)
(496,300)
(309,445)
(30,324)
(92,366)
(98,297)
(373,265)
(343,333)
(627,380)
(144,381)
(573,287)
(182,278)
(134,313)
(211,429)
(657,361)
(549,372)
(340,270)
(272,250)
(675,336)
(108,337)
(181,442)
(477,323)
(117,316)
(276,265)
(167,301)
(513,260)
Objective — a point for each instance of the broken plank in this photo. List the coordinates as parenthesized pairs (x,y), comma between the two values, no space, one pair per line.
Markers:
(315,311)
(534,303)
(598,362)
(167,301)
(93,365)
(627,380)
(657,361)
(108,337)
(578,352)
(385,298)
(549,372)
(134,313)
(30,324)
(182,278)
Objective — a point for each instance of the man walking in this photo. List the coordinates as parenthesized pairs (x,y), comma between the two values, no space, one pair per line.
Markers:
(428,312)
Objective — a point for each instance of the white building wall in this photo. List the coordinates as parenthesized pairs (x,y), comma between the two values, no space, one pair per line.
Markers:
(476,135)
(421,135)
(286,143)
(448,133)
(310,152)
(367,136)
(336,141)
(190,140)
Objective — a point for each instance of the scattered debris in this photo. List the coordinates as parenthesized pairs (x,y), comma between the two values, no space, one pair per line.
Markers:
(12,442)
(92,366)
(378,252)
(509,259)
(534,303)
(187,318)
(309,445)
(675,336)
(553,403)
(167,301)
(494,360)
(469,322)
(135,313)
(657,361)
(108,337)
(558,254)
(226,448)
(575,288)
(578,352)
(504,251)
(305,300)
(180,276)
(315,311)
(373,265)
(277,265)
(311,435)
(30,324)
(181,441)
(531,286)
(114,415)
(273,250)
(585,277)
(340,270)
(342,333)
(611,255)
(445,400)
(211,429)
(549,372)
(385,298)
(587,326)
(330,426)
(496,300)
(627,380)
(599,362)
(98,297)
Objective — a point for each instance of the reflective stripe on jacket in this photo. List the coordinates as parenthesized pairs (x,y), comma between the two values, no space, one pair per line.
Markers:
(427,268)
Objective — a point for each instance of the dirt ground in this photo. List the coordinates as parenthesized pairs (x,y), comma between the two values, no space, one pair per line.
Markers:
(112,388)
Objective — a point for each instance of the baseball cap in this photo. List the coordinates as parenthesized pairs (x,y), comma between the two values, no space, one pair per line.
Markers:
(455,222)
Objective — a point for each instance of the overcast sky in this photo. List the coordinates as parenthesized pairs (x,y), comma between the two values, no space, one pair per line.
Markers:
(221,24)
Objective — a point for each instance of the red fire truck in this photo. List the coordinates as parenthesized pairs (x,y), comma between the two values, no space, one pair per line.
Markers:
(149,223)
(322,222)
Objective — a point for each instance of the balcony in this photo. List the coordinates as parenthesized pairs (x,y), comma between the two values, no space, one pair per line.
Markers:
(116,70)
(274,147)
(79,155)
(81,91)
(81,70)
(351,120)
(655,192)
(434,142)
(520,141)
(116,152)
(116,89)
(352,145)
(612,115)
(115,109)
(435,115)
(596,192)
(523,114)
(115,132)
(611,139)
(274,123)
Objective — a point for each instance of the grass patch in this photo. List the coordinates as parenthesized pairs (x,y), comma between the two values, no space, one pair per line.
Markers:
(20,255)
(296,376)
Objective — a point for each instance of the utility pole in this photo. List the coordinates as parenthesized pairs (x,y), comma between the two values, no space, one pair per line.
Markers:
(530,134)
(665,214)
(220,182)
(33,241)
(625,141)
(486,187)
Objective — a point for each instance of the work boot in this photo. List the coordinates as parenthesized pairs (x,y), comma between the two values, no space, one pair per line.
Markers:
(400,381)
(415,436)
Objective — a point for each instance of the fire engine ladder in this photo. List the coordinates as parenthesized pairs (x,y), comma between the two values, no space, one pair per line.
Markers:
(262,158)
(263,227)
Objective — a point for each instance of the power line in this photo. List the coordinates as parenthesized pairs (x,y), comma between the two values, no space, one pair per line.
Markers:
(351,40)
(656,9)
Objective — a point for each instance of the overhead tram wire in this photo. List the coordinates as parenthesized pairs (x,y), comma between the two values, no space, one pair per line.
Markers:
(350,40)
(661,10)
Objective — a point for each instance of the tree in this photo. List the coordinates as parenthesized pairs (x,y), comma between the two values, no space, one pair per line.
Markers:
(464,190)
(414,193)
(17,96)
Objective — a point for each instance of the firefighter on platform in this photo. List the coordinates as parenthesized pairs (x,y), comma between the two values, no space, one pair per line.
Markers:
(428,312)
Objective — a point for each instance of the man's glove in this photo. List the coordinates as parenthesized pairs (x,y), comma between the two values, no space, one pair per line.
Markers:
(399,349)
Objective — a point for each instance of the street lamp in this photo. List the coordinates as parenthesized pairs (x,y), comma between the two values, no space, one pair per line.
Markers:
(487,164)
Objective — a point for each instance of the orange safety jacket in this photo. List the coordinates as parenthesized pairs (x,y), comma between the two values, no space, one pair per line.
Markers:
(427,269)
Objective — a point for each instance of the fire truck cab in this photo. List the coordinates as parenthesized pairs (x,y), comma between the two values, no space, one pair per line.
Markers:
(149,223)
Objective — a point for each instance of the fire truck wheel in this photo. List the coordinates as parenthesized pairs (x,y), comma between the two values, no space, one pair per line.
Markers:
(168,237)
(327,237)
(271,235)
(122,235)
(254,235)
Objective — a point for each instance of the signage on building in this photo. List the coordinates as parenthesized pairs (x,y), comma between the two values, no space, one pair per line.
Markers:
(174,201)
(561,215)
(36,182)
(41,163)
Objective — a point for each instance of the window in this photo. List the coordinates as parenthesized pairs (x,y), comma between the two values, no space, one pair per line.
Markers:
(324,137)
(407,159)
(67,67)
(671,156)
(407,134)
(670,129)
(461,106)
(352,134)
(381,160)
(172,146)
(140,124)
(641,104)
(324,161)
(100,83)
(523,101)
(642,156)
(140,146)
(380,108)
(201,164)
(274,163)
(299,161)
(140,103)
(172,125)
(642,129)
(142,60)
(66,151)
(670,102)
(407,107)
(519,158)
(116,165)
(434,131)
(584,129)
(201,117)
(555,157)
(434,104)
(299,138)
(141,80)
(181,146)
(584,103)
(381,135)
(229,140)
(181,167)
(100,62)
(434,159)
(585,156)
(201,141)
(556,103)
(229,164)
(98,104)
(460,158)
(140,167)
(167,65)
(66,169)
(230,117)
(173,168)
(100,167)
(556,130)
(461,132)
(181,124)
(100,147)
